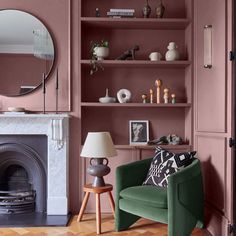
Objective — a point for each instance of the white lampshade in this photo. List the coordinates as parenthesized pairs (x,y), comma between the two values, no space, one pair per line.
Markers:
(98,145)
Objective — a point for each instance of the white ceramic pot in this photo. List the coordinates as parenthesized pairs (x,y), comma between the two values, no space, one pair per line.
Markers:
(101,52)
(155,56)
(172,54)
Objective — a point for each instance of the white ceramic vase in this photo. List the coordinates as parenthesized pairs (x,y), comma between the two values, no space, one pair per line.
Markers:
(172,54)
(101,52)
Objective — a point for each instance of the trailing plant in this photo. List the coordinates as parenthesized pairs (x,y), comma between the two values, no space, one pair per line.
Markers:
(95,65)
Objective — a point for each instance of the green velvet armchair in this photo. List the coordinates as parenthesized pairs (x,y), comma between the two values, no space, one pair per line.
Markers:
(180,205)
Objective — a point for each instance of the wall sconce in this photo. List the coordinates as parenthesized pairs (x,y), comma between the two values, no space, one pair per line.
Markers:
(208,46)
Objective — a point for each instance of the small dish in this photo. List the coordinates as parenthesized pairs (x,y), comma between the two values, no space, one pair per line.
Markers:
(16,109)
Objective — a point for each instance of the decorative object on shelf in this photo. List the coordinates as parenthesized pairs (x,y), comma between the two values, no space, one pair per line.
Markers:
(144,97)
(155,56)
(174,139)
(208,46)
(151,95)
(44,93)
(57,88)
(146,10)
(158,84)
(97,12)
(123,95)
(160,10)
(169,139)
(107,99)
(138,132)
(129,54)
(121,13)
(100,50)
(166,95)
(172,54)
(57,133)
(98,146)
(173,98)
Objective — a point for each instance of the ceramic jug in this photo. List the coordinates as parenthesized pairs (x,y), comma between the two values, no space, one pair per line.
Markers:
(172,54)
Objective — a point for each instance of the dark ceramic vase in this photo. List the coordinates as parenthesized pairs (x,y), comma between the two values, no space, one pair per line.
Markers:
(160,10)
(146,10)
(98,169)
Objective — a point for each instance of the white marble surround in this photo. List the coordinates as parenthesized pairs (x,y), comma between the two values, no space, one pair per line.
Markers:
(56,128)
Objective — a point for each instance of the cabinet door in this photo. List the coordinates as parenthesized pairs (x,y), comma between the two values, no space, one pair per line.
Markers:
(213,112)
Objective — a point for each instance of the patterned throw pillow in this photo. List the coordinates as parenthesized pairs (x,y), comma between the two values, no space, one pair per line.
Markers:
(164,164)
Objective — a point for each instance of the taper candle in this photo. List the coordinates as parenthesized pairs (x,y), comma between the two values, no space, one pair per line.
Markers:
(57,85)
(43,83)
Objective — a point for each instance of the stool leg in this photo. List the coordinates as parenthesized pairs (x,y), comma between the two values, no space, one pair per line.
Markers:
(84,203)
(98,213)
(112,203)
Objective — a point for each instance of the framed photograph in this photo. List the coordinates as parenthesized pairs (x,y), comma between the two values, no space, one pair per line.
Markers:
(138,131)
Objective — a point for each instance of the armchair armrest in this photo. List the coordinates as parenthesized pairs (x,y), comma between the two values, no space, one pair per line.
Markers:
(185,198)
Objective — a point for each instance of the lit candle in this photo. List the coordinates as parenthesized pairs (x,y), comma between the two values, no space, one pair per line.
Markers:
(57,80)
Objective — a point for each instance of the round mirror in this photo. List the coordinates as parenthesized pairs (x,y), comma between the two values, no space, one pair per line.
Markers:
(26,52)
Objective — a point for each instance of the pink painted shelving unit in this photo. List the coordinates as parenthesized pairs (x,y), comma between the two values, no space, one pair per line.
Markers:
(139,75)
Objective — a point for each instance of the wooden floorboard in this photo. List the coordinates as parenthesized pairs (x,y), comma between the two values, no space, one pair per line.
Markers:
(87,227)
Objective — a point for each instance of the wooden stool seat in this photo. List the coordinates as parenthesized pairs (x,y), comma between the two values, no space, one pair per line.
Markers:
(88,188)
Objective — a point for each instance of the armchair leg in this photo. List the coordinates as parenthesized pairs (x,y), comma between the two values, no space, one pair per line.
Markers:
(123,220)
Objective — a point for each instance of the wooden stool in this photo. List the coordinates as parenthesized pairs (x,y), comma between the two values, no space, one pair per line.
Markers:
(88,188)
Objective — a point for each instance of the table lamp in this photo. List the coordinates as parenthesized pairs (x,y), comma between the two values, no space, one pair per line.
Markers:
(98,146)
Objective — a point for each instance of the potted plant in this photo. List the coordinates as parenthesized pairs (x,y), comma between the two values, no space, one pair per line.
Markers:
(100,50)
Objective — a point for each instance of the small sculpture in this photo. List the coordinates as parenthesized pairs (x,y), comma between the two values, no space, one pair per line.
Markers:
(158,84)
(166,95)
(169,139)
(173,99)
(129,54)
(144,97)
(174,139)
(107,98)
(172,54)
(97,12)
(123,95)
(146,10)
(151,95)
(160,9)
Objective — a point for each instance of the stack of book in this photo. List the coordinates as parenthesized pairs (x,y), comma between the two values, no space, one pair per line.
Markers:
(118,13)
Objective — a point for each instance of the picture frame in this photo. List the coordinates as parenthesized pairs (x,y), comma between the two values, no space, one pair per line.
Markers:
(138,132)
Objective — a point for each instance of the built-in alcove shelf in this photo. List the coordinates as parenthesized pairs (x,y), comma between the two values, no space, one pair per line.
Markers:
(136,23)
(151,147)
(143,105)
(140,63)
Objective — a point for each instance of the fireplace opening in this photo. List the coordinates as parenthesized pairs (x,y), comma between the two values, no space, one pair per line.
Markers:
(16,193)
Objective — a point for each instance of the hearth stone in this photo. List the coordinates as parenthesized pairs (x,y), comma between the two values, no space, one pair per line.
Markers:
(33,220)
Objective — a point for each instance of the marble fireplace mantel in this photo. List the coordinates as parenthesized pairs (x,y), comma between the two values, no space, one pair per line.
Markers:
(56,128)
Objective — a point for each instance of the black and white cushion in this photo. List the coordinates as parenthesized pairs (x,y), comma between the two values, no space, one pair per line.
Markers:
(164,164)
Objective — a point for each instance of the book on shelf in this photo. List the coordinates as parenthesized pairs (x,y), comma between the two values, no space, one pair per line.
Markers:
(122,10)
(120,14)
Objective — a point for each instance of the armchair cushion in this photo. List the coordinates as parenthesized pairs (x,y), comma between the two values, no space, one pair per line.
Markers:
(164,164)
(146,195)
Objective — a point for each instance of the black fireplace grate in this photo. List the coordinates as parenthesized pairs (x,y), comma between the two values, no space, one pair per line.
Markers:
(13,202)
